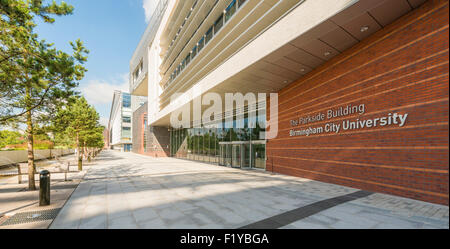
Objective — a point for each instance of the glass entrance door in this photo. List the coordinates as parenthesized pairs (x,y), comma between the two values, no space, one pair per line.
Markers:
(241,155)
(225,154)
(258,155)
(228,155)
(235,154)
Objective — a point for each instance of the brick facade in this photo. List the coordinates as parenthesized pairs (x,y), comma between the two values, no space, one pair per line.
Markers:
(138,129)
(158,143)
(158,138)
(402,69)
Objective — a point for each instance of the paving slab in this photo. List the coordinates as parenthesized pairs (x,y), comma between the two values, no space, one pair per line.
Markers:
(127,190)
(16,200)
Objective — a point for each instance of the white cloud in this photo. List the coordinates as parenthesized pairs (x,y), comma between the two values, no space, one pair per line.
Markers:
(102,91)
(149,7)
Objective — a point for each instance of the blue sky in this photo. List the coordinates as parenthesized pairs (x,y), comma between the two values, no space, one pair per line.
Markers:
(111,30)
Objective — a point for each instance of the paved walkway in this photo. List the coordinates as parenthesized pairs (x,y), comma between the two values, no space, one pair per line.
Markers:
(126,190)
(19,208)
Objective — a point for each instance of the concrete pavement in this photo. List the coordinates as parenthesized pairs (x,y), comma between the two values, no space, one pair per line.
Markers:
(126,190)
(18,206)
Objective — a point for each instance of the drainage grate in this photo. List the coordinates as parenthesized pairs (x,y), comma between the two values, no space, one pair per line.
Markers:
(28,217)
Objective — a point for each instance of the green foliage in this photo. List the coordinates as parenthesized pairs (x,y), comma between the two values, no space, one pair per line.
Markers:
(10,138)
(35,78)
(79,120)
(63,140)
(34,75)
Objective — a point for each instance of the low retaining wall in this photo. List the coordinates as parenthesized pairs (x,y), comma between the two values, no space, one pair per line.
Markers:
(21,156)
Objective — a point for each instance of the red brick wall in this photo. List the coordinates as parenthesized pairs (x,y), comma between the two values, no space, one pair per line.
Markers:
(158,142)
(400,69)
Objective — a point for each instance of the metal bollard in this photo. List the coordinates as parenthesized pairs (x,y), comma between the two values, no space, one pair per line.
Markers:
(44,188)
(19,174)
(67,170)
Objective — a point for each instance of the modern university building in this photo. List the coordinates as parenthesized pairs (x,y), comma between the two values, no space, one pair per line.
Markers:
(118,133)
(345,91)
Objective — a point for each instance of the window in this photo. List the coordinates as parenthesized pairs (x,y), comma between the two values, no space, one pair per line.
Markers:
(126,119)
(194,52)
(209,35)
(126,100)
(138,71)
(201,44)
(213,30)
(230,10)
(241,2)
(126,132)
(218,24)
(188,59)
(136,75)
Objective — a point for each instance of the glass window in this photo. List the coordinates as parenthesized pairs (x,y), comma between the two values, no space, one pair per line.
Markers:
(136,75)
(194,52)
(241,2)
(230,10)
(189,142)
(126,132)
(188,59)
(126,100)
(200,142)
(209,35)
(126,119)
(201,44)
(260,125)
(218,24)
(195,141)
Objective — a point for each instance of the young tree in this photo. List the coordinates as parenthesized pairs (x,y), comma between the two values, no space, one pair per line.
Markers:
(35,76)
(92,140)
(79,120)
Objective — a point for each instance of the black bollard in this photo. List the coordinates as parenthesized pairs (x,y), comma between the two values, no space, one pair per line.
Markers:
(44,188)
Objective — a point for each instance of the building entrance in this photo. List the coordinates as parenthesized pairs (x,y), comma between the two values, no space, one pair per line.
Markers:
(243,154)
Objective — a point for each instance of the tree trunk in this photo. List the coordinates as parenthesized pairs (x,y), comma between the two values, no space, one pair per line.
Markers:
(84,151)
(80,159)
(30,143)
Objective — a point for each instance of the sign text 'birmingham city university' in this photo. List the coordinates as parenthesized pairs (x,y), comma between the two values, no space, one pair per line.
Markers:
(389,119)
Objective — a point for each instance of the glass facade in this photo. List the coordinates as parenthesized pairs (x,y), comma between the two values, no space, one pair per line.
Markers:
(126,119)
(126,100)
(217,144)
(126,133)
(127,147)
